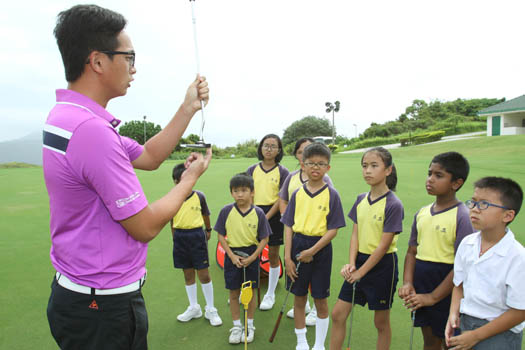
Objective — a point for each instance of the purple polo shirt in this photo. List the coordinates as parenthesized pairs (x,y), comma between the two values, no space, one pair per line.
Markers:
(92,186)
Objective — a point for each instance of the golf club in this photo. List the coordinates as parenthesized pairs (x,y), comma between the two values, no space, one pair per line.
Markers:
(284,303)
(412,330)
(200,143)
(244,255)
(351,316)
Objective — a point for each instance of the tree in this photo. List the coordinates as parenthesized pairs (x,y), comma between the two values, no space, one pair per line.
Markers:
(307,127)
(135,130)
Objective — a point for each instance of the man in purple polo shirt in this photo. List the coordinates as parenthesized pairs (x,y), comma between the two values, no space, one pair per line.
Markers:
(100,218)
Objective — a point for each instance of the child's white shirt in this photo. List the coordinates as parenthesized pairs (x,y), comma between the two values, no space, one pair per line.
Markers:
(492,282)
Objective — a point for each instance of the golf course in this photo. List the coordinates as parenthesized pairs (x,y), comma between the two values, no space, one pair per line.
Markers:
(27,272)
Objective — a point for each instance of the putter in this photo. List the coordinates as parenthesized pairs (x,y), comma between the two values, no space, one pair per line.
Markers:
(200,143)
(412,330)
(245,255)
(351,316)
(284,304)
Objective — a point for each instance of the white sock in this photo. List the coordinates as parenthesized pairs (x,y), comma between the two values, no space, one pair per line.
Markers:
(237,323)
(191,291)
(321,329)
(313,308)
(307,306)
(301,336)
(207,290)
(273,278)
(250,322)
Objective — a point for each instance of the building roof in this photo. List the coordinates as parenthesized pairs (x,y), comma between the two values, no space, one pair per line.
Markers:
(515,105)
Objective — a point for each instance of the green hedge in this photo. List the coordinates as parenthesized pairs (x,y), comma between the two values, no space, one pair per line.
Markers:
(426,137)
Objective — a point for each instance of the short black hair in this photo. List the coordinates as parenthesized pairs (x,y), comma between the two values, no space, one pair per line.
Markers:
(300,142)
(279,155)
(455,164)
(241,180)
(510,192)
(386,157)
(316,149)
(177,172)
(83,29)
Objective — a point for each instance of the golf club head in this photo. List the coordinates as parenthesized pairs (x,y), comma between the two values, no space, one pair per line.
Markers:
(198,144)
(241,253)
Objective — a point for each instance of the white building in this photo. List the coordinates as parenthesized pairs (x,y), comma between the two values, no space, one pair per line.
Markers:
(506,118)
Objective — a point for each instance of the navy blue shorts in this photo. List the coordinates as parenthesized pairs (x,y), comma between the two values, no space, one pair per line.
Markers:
(378,286)
(427,276)
(276,237)
(234,276)
(316,273)
(190,249)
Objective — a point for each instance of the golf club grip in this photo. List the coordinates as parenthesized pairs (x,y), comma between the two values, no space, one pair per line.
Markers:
(276,326)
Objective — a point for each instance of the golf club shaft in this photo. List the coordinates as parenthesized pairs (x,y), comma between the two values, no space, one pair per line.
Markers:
(194,20)
(351,317)
(276,327)
(412,330)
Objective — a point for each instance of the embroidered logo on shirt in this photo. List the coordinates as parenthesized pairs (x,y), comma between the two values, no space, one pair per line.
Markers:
(441,229)
(93,305)
(123,201)
(378,217)
(322,208)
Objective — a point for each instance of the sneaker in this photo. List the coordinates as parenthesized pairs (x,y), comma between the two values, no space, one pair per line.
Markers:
(267,302)
(311,318)
(212,315)
(235,335)
(251,334)
(290,312)
(190,313)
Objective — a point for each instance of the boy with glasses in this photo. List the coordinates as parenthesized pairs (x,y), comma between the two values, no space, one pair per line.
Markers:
(312,218)
(488,299)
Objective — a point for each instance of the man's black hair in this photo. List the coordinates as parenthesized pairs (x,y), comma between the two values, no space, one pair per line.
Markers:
(316,149)
(177,172)
(241,180)
(455,164)
(83,29)
(510,192)
(279,155)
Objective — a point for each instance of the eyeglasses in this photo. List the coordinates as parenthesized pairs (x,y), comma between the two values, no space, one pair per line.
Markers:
(268,146)
(130,56)
(482,205)
(312,165)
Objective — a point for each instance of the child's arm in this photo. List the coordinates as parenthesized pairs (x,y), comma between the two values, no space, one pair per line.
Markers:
(247,261)
(207,226)
(416,301)
(453,317)
(290,265)
(234,258)
(282,205)
(307,255)
(352,254)
(273,210)
(408,274)
(375,257)
(507,320)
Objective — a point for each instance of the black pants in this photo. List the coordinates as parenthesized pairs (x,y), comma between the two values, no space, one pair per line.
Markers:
(97,322)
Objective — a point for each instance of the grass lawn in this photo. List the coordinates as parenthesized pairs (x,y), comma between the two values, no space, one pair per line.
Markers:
(27,272)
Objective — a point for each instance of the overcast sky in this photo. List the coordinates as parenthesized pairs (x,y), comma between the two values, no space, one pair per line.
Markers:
(271,62)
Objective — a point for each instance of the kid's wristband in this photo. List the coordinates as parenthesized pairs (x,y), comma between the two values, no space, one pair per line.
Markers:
(208,230)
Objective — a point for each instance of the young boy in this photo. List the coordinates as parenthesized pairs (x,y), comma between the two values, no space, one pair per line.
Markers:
(247,229)
(489,288)
(313,216)
(190,251)
(437,230)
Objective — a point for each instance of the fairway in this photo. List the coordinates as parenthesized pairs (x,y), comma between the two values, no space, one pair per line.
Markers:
(27,272)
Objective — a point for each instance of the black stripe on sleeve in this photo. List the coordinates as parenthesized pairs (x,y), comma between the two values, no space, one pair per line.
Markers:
(55,141)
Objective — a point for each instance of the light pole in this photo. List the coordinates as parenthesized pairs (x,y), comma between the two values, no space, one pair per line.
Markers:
(144,129)
(332,107)
(355,125)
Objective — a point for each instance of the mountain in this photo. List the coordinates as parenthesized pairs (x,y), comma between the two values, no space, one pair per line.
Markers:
(27,149)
